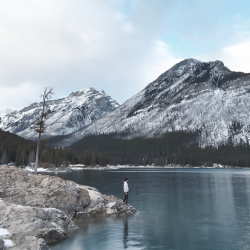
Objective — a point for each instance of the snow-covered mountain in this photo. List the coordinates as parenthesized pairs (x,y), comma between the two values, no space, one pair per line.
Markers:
(4,112)
(67,115)
(192,95)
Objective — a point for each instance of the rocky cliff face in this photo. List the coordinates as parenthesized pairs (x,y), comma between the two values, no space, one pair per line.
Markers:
(190,96)
(67,115)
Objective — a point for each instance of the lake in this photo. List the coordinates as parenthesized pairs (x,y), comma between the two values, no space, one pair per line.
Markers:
(178,209)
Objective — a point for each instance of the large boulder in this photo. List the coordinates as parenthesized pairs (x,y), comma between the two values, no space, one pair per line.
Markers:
(20,187)
(31,227)
(103,205)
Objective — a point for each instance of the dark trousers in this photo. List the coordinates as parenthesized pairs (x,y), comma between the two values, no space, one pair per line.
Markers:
(125,198)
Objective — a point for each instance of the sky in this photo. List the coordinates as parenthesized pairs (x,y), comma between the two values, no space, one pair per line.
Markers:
(118,46)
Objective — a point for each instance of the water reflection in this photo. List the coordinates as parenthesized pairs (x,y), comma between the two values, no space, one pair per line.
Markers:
(125,232)
(241,203)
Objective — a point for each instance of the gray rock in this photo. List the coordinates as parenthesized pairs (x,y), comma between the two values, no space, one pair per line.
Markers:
(103,205)
(37,209)
(1,244)
(25,189)
(33,227)
(111,211)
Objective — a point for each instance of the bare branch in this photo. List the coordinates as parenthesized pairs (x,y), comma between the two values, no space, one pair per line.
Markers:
(39,125)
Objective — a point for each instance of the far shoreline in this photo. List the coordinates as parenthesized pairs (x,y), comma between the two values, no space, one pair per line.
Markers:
(112,167)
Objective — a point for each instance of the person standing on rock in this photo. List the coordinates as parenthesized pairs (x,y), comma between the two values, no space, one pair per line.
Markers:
(125,189)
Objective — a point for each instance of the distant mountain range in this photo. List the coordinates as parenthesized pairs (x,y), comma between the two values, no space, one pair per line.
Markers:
(190,96)
(67,115)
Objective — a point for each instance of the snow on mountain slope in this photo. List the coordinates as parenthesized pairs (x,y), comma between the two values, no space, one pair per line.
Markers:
(4,112)
(67,115)
(190,96)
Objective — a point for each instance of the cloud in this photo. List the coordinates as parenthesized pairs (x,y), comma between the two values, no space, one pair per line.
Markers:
(161,59)
(236,57)
(116,45)
(79,44)
(17,96)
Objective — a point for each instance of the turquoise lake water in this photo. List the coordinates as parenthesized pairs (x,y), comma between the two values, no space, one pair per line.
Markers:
(178,209)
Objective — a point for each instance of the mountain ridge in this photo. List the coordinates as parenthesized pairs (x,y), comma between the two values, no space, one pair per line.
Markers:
(67,114)
(190,96)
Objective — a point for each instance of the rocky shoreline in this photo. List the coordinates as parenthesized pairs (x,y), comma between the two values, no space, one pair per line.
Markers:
(36,210)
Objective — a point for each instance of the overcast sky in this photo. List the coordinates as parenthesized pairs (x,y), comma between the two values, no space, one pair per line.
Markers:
(118,46)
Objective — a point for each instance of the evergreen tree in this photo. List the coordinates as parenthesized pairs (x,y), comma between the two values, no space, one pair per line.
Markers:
(4,157)
(31,157)
(93,159)
(14,148)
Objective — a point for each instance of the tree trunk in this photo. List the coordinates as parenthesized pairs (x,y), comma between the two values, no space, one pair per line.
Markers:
(37,155)
(41,121)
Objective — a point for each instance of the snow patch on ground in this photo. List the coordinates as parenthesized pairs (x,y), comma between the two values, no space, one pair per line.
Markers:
(38,170)
(8,243)
(20,206)
(81,212)
(76,168)
(51,208)
(4,232)
(110,205)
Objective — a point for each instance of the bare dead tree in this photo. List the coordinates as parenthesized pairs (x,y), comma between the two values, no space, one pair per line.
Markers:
(40,124)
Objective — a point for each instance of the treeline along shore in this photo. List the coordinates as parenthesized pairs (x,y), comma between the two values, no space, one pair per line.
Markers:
(172,148)
(21,152)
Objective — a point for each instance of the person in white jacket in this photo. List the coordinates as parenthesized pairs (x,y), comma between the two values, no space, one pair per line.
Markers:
(125,189)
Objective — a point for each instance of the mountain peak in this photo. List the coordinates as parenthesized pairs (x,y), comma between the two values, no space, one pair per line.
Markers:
(192,67)
(85,92)
(188,61)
